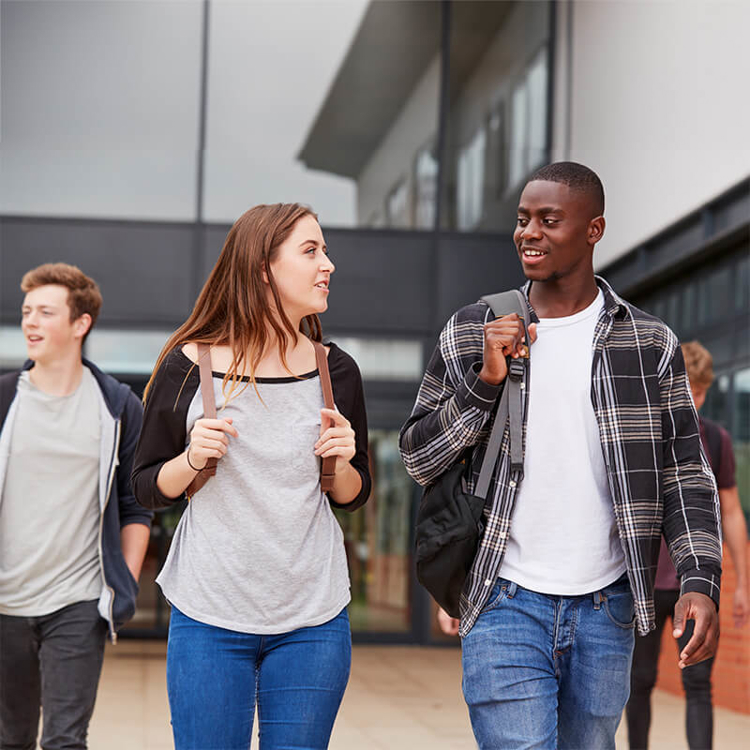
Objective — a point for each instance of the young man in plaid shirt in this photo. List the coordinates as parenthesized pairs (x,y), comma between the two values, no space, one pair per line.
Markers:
(613,460)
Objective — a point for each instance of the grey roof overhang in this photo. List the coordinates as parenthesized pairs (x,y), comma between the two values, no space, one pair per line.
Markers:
(391,50)
(395,43)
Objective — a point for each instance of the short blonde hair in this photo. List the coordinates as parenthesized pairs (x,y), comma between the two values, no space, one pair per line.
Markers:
(83,292)
(699,364)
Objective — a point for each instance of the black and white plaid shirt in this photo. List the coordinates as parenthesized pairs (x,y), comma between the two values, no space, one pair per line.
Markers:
(659,478)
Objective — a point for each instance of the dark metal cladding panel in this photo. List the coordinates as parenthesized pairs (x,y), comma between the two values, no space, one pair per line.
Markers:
(143,269)
(471,266)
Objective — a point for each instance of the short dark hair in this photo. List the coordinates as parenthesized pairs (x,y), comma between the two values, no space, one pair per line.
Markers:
(576,177)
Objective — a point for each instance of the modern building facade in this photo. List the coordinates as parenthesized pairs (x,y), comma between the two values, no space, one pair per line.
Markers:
(134,133)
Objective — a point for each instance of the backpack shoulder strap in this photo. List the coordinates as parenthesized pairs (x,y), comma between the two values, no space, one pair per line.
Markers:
(510,408)
(505,303)
(327,465)
(209,411)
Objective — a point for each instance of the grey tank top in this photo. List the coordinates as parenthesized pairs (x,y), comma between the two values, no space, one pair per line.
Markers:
(258,549)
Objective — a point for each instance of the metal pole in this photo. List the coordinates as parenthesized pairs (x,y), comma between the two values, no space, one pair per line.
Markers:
(201,154)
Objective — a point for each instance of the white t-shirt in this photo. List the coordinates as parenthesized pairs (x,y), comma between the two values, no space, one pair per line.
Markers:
(563,537)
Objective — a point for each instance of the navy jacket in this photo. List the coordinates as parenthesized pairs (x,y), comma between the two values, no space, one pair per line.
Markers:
(121,418)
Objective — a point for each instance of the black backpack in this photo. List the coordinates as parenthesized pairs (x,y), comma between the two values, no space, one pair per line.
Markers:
(450,522)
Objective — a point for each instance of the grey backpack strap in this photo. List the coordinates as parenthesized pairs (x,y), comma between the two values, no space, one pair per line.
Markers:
(510,408)
(493,447)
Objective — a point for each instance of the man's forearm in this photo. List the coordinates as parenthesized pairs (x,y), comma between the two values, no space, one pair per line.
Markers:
(134,542)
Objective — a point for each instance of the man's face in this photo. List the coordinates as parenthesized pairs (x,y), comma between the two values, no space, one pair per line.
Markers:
(556,230)
(45,321)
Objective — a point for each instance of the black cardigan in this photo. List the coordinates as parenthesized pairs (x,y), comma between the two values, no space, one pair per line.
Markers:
(164,431)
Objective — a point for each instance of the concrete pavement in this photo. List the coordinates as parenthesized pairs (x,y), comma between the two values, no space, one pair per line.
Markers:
(398,698)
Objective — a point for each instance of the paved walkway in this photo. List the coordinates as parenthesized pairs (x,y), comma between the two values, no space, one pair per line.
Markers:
(399,698)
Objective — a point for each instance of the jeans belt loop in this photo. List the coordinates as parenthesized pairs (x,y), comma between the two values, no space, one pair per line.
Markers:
(598,599)
(512,588)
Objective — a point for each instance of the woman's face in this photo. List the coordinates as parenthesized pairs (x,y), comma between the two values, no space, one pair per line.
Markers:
(302,270)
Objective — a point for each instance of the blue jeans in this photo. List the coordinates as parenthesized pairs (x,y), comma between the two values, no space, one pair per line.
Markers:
(215,675)
(549,671)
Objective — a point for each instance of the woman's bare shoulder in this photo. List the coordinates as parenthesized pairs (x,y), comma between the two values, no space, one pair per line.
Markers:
(190,350)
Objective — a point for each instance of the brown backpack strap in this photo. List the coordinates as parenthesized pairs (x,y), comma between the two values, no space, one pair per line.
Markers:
(328,465)
(209,411)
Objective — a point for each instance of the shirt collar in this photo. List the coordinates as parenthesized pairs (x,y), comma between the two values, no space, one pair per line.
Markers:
(614,305)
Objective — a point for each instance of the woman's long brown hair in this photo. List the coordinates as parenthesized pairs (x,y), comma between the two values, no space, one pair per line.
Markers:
(232,308)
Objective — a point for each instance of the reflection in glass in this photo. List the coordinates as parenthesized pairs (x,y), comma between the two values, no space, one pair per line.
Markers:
(470,180)
(673,311)
(377,541)
(358,110)
(265,90)
(496,177)
(397,205)
(125,351)
(384,359)
(518,134)
(12,347)
(425,188)
(742,285)
(536,84)
(689,307)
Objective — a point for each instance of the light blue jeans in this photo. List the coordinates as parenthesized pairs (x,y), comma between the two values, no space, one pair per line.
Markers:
(215,676)
(549,672)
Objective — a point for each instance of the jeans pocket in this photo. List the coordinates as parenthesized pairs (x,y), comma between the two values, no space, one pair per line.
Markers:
(620,609)
(496,596)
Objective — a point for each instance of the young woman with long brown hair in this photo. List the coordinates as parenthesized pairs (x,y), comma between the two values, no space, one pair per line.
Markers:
(256,574)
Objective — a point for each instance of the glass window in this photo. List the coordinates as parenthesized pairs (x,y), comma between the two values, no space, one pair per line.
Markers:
(12,347)
(518,134)
(384,359)
(425,188)
(100,108)
(529,131)
(688,307)
(720,291)
(125,351)
(537,99)
(498,152)
(335,128)
(742,285)
(377,542)
(397,206)
(470,180)
(704,302)
(673,310)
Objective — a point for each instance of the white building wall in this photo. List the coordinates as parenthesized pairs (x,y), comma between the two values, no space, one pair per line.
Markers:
(659,107)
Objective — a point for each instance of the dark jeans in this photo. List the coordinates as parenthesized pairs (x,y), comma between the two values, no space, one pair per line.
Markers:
(53,661)
(696,680)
